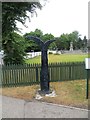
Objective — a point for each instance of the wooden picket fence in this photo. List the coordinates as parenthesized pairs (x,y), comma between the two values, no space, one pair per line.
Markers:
(28,74)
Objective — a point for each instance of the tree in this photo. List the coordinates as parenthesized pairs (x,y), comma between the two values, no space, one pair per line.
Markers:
(16,11)
(11,13)
(74,37)
(46,37)
(38,33)
(63,42)
(78,43)
(31,45)
(16,43)
(84,42)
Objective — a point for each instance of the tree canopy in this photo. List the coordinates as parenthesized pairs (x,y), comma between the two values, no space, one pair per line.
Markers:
(61,43)
(11,13)
(38,33)
(16,11)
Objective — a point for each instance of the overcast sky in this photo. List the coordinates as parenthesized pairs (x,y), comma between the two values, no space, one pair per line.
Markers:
(61,16)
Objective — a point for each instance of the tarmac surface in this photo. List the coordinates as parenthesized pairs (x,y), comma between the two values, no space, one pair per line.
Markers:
(17,108)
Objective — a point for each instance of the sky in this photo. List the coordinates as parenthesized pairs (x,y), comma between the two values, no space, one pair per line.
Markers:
(60,16)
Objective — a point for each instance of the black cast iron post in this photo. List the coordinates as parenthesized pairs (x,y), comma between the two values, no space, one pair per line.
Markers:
(44,75)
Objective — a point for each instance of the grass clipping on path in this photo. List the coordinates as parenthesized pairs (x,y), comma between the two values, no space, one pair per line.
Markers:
(72,93)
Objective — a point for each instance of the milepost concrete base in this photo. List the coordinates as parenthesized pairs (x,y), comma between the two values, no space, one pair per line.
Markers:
(40,94)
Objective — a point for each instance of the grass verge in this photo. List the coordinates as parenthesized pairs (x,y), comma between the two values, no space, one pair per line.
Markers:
(71,93)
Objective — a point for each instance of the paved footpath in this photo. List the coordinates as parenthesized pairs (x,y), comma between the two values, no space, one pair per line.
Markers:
(16,108)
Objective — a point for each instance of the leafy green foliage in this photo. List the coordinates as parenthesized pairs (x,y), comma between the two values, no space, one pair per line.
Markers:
(15,11)
(46,37)
(11,13)
(38,33)
(14,47)
(31,45)
(63,42)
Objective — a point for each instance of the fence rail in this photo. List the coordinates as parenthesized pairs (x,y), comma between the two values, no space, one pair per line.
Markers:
(28,74)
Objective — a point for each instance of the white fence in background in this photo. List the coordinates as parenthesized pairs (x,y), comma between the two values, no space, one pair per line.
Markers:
(54,51)
(32,55)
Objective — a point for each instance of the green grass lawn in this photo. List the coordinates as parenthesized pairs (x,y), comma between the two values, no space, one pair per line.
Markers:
(59,58)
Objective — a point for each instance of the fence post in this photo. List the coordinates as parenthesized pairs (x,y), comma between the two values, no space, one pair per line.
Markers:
(70,71)
(87,66)
(36,74)
(87,82)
